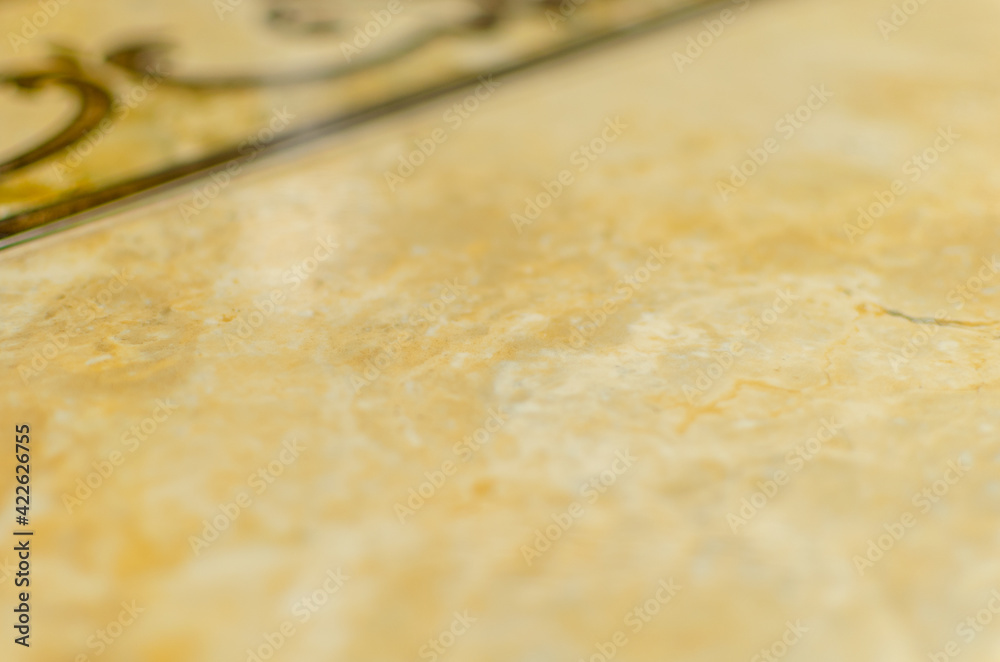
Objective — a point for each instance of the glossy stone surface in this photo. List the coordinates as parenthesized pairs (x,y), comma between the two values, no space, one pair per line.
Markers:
(432,316)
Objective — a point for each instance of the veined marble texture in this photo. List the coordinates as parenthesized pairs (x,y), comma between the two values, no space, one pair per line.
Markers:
(675,412)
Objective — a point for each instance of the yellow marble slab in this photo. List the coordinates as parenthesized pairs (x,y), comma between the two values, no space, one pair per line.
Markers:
(673,415)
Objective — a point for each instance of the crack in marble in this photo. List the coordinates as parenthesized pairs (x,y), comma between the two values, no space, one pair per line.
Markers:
(960,324)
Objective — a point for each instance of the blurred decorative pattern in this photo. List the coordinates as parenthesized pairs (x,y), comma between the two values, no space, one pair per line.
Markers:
(106,102)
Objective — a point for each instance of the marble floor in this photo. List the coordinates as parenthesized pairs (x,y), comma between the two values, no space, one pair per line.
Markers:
(674,349)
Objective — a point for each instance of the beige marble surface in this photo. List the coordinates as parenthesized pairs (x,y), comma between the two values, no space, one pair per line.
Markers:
(468,321)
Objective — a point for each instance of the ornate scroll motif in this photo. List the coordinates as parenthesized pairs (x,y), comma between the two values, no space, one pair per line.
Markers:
(313,18)
(95,103)
(500,24)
